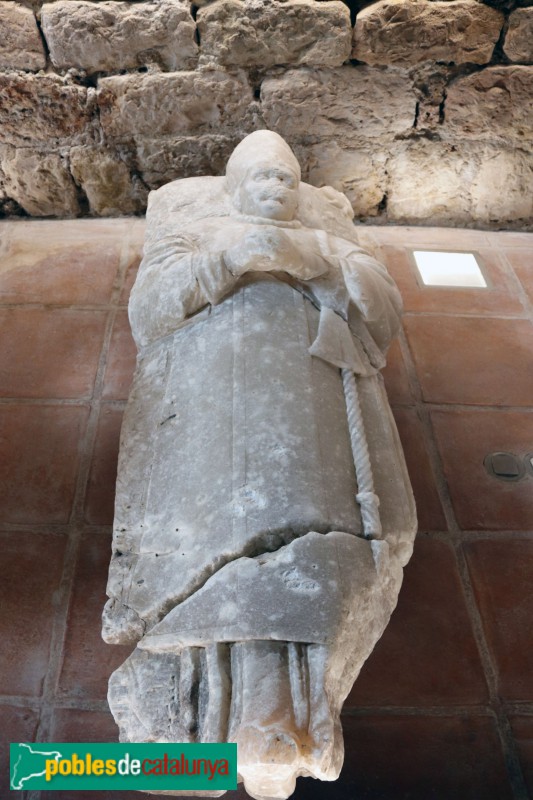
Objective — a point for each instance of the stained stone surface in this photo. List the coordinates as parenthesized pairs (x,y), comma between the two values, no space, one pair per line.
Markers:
(271,32)
(263,511)
(39,182)
(475,179)
(45,110)
(360,173)
(107,181)
(161,160)
(518,45)
(407,32)
(171,104)
(344,104)
(506,112)
(20,44)
(164,90)
(109,36)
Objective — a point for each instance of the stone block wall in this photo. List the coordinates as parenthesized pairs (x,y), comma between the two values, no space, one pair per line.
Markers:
(443,708)
(420,110)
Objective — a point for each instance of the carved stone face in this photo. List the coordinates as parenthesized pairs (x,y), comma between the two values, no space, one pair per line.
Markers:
(269,191)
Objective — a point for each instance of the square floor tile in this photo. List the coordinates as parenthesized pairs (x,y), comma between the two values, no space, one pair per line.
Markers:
(100,498)
(522,727)
(395,375)
(427,655)
(39,452)
(131,275)
(49,352)
(413,437)
(408,757)
(71,262)
(472,361)
(88,660)
(501,575)
(504,239)
(79,725)
(465,438)
(121,360)
(32,565)
(521,260)
(16,725)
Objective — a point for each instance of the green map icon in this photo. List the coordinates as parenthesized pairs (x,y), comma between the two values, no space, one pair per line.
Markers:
(29,762)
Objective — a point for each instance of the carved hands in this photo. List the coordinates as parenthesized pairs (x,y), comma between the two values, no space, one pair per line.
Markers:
(263,248)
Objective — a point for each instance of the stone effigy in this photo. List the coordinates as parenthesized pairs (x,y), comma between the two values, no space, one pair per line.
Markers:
(263,512)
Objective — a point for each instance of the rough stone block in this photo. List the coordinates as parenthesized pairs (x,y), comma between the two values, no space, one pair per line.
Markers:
(264,33)
(107,182)
(494,104)
(501,190)
(108,36)
(20,44)
(163,160)
(411,31)
(518,44)
(427,184)
(358,173)
(459,184)
(46,110)
(174,104)
(349,103)
(39,182)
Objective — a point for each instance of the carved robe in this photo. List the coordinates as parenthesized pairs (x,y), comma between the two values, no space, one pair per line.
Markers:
(236,516)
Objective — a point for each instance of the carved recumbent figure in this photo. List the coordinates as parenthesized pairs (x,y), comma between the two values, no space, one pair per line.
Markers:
(263,512)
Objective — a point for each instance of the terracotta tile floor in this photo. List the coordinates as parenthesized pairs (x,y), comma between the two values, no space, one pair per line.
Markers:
(17,725)
(430,626)
(49,352)
(121,360)
(423,479)
(443,708)
(87,660)
(522,727)
(28,594)
(39,460)
(472,361)
(100,494)
(464,438)
(501,575)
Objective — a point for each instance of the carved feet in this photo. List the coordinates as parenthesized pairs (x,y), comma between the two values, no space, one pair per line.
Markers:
(267,696)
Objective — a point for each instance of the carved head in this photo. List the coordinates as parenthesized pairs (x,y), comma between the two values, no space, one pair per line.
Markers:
(262,177)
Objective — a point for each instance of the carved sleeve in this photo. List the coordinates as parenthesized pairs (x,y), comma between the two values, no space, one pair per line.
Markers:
(176,278)
(374,295)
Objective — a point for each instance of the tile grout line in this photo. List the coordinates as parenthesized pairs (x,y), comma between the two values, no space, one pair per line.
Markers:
(472,536)
(456,540)
(59,401)
(510,752)
(485,315)
(524,297)
(76,526)
(21,701)
(419,711)
(38,529)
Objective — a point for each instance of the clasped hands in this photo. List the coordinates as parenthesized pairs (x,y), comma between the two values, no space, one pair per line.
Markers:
(265,248)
